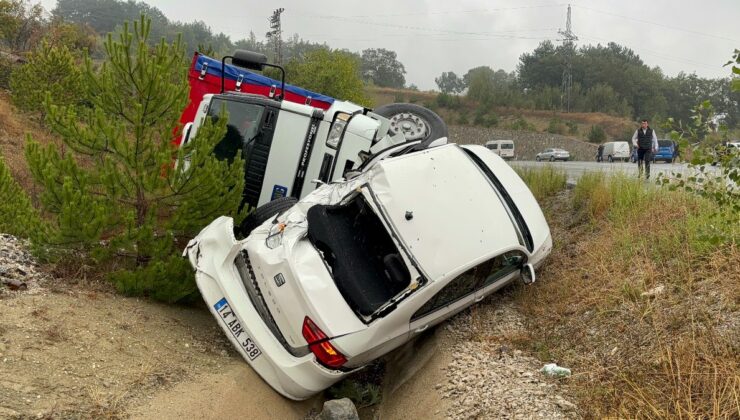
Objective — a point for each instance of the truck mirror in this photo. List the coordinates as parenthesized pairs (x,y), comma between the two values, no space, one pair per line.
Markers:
(249,60)
(185,134)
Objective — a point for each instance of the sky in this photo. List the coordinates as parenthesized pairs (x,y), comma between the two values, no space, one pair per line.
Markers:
(435,36)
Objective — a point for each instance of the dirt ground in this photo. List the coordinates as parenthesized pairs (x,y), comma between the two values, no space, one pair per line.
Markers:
(71,353)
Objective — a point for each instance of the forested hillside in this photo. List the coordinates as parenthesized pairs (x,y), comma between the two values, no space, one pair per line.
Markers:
(609,79)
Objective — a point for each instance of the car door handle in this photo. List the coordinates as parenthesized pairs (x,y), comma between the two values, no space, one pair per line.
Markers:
(421,329)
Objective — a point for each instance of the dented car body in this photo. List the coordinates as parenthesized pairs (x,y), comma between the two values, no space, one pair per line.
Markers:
(359,267)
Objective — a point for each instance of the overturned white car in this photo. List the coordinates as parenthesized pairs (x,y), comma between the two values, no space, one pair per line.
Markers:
(359,267)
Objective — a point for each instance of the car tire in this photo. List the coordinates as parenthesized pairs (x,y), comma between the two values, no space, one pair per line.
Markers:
(414,121)
(263,213)
(552,159)
(537,158)
(610,159)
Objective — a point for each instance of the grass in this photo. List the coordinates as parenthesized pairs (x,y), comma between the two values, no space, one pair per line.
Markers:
(543,182)
(597,308)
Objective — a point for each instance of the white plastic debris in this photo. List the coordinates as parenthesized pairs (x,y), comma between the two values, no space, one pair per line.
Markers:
(552,369)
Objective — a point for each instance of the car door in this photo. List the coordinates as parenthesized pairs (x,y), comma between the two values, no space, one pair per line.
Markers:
(457,295)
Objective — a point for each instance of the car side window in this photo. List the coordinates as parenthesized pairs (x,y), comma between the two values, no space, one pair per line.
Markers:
(460,287)
(468,282)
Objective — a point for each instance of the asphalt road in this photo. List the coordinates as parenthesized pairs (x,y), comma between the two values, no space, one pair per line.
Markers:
(575,169)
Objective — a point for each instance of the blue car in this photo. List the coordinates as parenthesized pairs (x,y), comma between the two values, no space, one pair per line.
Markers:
(667,151)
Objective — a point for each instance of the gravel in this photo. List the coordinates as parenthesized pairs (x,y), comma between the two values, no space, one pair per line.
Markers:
(527,143)
(18,269)
(488,378)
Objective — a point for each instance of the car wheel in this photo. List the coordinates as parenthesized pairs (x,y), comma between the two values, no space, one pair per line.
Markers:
(610,159)
(414,122)
(552,159)
(537,158)
(263,213)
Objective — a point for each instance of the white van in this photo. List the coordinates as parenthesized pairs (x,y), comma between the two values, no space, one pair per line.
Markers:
(615,150)
(503,148)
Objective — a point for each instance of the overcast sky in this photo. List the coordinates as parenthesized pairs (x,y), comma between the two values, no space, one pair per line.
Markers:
(434,36)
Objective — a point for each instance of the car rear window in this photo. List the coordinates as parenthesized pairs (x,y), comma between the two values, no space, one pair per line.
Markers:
(665,143)
(507,146)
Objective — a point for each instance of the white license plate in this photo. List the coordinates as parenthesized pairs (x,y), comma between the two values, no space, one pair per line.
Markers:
(229,318)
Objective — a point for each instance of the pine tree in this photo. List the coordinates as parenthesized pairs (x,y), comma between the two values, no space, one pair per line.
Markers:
(17,215)
(114,189)
(49,69)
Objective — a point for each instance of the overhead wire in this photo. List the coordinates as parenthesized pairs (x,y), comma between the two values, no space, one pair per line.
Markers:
(691,31)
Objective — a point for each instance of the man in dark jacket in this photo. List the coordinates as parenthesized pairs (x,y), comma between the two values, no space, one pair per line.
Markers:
(646,143)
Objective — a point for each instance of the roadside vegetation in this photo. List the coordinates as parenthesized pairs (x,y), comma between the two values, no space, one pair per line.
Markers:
(543,182)
(640,300)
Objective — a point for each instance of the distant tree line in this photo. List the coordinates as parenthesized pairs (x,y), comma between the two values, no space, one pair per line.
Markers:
(610,79)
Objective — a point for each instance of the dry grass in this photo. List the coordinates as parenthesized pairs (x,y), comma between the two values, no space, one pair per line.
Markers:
(14,126)
(637,352)
(615,127)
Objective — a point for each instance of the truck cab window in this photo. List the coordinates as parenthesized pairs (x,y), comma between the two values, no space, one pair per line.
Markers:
(243,125)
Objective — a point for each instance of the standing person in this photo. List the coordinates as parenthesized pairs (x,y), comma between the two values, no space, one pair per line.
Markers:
(600,153)
(646,143)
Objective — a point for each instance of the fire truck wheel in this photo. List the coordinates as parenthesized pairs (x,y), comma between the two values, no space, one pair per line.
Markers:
(414,121)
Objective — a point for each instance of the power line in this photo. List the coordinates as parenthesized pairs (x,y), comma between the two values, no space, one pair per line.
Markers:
(658,54)
(445,12)
(424,29)
(658,24)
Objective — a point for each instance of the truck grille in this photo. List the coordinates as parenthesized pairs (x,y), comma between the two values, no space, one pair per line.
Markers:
(244,267)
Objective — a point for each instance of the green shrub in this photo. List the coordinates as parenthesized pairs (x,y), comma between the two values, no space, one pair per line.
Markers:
(485,117)
(17,215)
(448,101)
(556,126)
(50,70)
(597,134)
(522,125)
(462,118)
(572,127)
(6,68)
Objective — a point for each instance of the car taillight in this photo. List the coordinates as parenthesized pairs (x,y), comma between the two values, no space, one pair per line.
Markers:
(319,344)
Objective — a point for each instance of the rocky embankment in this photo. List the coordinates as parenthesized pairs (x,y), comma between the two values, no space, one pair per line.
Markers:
(489,378)
(18,269)
(527,143)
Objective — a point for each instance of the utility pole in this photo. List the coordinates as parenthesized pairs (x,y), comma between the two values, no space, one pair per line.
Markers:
(569,39)
(276,35)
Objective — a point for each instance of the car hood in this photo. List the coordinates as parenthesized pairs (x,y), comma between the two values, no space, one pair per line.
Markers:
(447,215)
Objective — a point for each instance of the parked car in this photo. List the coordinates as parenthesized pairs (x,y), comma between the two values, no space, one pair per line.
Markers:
(616,150)
(503,148)
(325,285)
(667,151)
(553,155)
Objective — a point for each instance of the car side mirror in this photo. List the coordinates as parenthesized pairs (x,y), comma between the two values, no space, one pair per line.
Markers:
(527,274)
